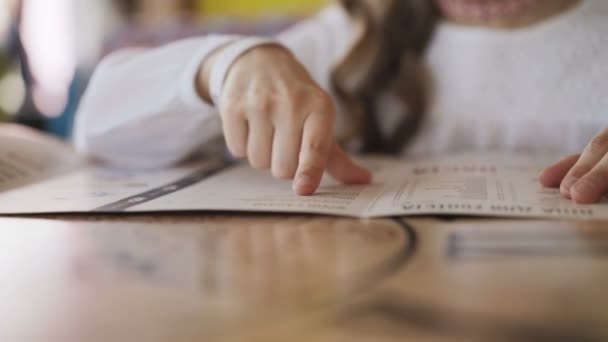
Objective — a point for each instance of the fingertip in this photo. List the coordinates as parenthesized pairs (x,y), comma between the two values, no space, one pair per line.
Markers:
(545,179)
(584,193)
(564,191)
(305,184)
(347,171)
(551,176)
(582,198)
(361,176)
(303,190)
(354,175)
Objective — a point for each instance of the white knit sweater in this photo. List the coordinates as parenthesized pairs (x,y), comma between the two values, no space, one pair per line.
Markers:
(541,88)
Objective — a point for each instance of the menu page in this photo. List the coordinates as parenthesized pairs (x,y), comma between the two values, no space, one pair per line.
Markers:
(499,185)
(240,188)
(101,189)
(205,185)
(27,157)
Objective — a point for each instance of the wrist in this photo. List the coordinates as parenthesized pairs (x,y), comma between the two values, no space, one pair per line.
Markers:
(204,74)
(214,70)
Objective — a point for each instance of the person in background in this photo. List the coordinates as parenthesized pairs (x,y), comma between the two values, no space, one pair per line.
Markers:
(408,77)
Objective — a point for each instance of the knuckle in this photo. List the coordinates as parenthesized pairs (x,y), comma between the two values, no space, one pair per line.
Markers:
(262,108)
(315,95)
(600,171)
(579,170)
(259,163)
(298,97)
(325,101)
(258,101)
(295,105)
(292,113)
(312,170)
(592,181)
(599,144)
(318,146)
(230,111)
(329,115)
(258,115)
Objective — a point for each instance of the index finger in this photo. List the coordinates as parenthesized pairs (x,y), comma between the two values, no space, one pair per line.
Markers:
(592,155)
(317,139)
(553,175)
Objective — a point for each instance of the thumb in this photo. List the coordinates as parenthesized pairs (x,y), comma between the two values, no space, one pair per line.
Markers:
(343,168)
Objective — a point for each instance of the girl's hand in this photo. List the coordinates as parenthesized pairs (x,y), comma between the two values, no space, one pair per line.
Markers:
(584,177)
(277,117)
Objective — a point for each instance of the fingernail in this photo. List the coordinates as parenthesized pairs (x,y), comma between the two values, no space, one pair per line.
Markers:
(583,191)
(567,184)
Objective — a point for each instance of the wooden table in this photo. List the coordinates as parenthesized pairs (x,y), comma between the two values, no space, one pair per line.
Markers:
(301,278)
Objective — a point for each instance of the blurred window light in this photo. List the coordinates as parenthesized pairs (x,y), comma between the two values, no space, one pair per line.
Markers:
(48,37)
(12,92)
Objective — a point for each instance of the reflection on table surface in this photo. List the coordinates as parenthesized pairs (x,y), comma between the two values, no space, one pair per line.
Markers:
(300,278)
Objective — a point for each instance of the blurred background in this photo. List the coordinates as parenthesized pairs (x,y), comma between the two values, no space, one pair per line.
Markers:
(49,48)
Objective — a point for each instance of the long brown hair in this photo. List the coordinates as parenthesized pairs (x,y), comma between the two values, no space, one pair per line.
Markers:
(385,58)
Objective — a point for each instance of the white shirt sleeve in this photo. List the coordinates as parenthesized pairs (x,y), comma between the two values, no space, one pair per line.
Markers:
(320,42)
(141,108)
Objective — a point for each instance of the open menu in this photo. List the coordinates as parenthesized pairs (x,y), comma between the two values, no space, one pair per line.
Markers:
(39,175)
